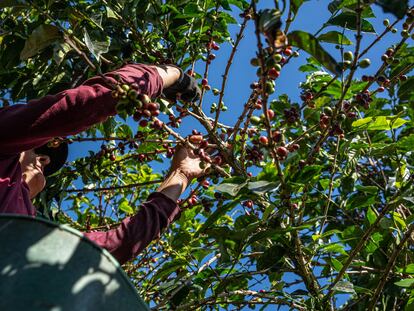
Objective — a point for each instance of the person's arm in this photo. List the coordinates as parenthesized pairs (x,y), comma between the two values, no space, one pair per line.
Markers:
(23,127)
(135,233)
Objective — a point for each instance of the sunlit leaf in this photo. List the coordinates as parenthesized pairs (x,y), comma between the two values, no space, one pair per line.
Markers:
(348,21)
(311,45)
(335,37)
(42,37)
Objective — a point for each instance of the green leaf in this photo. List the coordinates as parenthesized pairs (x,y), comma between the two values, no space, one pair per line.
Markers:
(220,211)
(405,91)
(409,269)
(379,123)
(110,13)
(308,173)
(336,264)
(405,283)
(295,5)
(241,4)
(371,216)
(225,4)
(40,38)
(169,268)
(348,21)
(97,48)
(396,7)
(335,37)
(325,183)
(338,4)
(125,207)
(12,3)
(406,143)
(344,287)
(333,248)
(310,44)
(231,189)
(271,258)
(261,187)
(269,20)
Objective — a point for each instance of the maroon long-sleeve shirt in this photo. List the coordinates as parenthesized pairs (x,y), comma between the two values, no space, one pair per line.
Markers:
(23,127)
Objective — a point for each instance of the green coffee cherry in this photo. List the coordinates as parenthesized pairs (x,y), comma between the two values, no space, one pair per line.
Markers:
(348,55)
(254,62)
(255,120)
(365,63)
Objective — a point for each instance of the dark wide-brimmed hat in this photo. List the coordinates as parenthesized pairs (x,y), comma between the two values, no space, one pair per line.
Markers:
(58,153)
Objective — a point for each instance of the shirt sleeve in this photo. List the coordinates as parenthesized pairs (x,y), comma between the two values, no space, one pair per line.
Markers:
(135,233)
(27,126)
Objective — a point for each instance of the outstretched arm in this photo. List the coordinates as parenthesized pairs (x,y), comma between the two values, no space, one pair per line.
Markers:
(135,233)
(23,127)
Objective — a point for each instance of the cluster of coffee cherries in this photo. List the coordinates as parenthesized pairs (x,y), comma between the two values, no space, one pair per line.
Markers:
(197,139)
(254,155)
(405,33)
(326,119)
(212,45)
(140,106)
(364,99)
(291,115)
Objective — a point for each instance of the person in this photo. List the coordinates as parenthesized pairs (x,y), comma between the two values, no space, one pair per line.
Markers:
(25,156)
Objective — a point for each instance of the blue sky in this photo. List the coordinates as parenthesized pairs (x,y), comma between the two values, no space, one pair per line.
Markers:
(310,18)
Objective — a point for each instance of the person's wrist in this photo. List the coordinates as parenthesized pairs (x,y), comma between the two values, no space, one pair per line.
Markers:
(174,184)
(179,175)
(170,74)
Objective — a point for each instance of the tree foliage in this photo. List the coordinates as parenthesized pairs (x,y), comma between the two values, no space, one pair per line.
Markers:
(327,206)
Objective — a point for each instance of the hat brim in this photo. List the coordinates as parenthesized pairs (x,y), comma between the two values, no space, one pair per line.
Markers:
(57,155)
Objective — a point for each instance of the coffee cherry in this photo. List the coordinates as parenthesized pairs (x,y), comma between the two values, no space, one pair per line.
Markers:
(327,111)
(255,120)
(144,98)
(277,58)
(365,63)
(143,123)
(263,140)
(282,151)
(112,157)
(196,139)
(270,113)
(146,113)
(212,57)
(348,56)
(276,136)
(248,203)
(218,160)
(294,147)
(153,106)
(273,73)
(204,82)
(254,62)
(403,78)
(287,52)
(158,124)
(205,184)
(381,89)
(386,22)
(204,144)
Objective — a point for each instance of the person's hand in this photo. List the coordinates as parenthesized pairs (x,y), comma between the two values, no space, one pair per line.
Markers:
(185,88)
(185,167)
(187,163)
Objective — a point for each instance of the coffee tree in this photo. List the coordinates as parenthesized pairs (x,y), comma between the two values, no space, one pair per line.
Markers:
(307,204)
